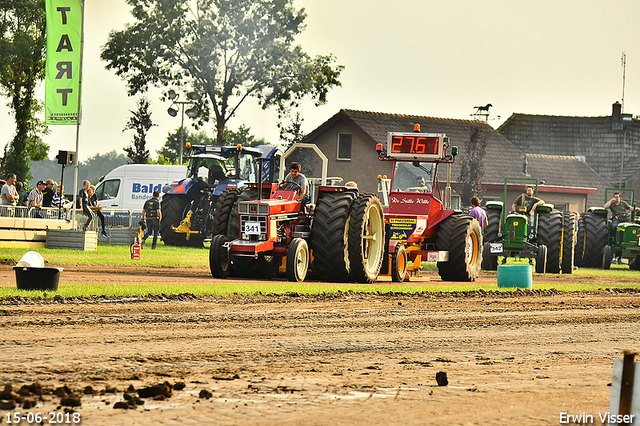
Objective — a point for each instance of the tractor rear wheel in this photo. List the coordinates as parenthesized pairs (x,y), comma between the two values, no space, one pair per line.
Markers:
(366,238)
(399,263)
(550,234)
(219,268)
(297,260)
(596,236)
(223,210)
(329,236)
(568,238)
(541,259)
(634,264)
(462,237)
(493,225)
(174,210)
(579,253)
(489,263)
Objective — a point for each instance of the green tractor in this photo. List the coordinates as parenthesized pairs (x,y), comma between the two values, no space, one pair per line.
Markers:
(547,236)
(624,241)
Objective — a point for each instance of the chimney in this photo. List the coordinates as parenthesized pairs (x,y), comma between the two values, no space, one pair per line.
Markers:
(525,163)
(616,116)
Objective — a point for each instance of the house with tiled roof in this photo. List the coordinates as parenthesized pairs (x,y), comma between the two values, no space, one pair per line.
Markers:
(609,144)
(349,140)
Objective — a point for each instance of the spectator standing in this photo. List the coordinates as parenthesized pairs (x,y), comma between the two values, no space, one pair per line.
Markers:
(83,203)
(22,201)
(48,193)
(95,206)
(34,200)
(152,215)
(10,195)
(478,212)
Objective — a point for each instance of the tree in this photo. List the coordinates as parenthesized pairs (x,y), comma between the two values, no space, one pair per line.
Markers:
(472,165)
(22,66)
(229,50)
(140,121)
(293,132)
(171,149)
(242,137)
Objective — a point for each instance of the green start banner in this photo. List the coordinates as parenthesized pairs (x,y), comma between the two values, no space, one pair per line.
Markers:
(64,59)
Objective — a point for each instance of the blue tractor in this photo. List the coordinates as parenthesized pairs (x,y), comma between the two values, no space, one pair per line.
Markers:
(188,205)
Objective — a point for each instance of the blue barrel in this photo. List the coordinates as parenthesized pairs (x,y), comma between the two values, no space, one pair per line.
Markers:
(515,276)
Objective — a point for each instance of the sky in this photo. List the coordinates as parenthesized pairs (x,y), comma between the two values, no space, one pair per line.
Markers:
(421,57)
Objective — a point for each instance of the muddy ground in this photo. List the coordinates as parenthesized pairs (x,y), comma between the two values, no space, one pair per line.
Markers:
(520,358)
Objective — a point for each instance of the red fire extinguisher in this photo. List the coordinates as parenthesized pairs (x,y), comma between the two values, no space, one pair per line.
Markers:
(135,251)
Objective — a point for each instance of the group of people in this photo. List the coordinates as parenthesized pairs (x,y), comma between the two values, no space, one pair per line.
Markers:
(45,194)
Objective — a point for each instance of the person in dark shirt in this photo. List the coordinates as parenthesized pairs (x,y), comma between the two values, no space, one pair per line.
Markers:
(96,207)
(47,193)
(83,203)
(152,215)
(528,201)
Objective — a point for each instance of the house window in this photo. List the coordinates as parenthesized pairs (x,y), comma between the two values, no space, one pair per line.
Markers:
(344,146)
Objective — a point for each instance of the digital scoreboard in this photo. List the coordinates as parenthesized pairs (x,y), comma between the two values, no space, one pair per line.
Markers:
(416,146)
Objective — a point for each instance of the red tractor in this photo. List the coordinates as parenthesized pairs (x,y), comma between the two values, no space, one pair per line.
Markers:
(340,238)
(420,225)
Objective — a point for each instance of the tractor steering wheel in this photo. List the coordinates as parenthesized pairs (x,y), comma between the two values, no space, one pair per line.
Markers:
(296,187)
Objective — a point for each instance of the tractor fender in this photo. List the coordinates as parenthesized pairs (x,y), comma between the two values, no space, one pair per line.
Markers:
(438,217)
(187,186)
(494,205)
(597,210)
(546,207)
(226,184)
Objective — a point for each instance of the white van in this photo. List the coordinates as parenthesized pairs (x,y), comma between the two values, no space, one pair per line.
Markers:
(129,186)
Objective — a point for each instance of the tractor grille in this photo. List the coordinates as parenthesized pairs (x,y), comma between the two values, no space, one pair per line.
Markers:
(260,220)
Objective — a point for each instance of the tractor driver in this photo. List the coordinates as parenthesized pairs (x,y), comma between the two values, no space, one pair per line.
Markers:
(619,210)
(300,183)
(421,185)
(528,201)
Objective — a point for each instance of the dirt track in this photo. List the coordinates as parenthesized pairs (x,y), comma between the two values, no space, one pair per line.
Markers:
(349,359)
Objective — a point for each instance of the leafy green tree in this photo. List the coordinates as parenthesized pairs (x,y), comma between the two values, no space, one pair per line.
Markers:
(171,148)
(293,132)
(242,137)
(472,164)
(22,66)
(229,50)
(140,121)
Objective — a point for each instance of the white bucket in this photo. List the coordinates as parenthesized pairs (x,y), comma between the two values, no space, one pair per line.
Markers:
(31,259)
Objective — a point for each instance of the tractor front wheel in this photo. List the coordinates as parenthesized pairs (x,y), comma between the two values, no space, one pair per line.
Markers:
(489,263)
(541,259)
(607,257)
(297,260)
(399,263)
(461,236)
(219,262)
